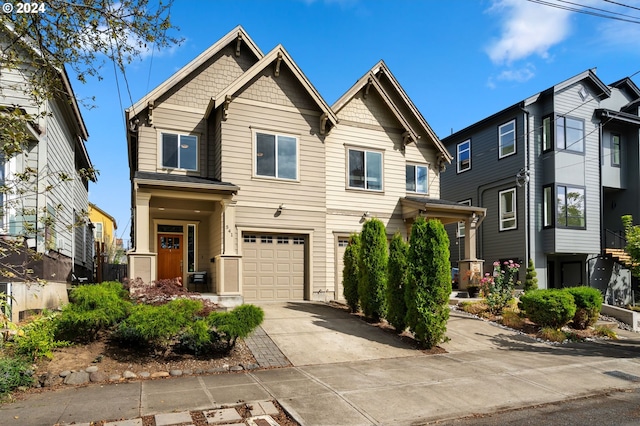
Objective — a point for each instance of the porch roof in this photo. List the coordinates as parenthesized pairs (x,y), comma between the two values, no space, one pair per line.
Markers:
(183,181)
(444,210)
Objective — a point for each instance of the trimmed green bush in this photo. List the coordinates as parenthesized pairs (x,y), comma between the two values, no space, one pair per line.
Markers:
(14,372)
(196,337)
(372,268)
(588,302)
(350,274)
(429,282)
(37,338)
(92,308)
(239,323)
(396,282)
(548,308)
(531,282)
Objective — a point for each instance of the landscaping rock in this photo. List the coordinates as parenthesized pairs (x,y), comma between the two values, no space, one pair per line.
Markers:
(129,375)
(49,379)
(175,373)
(159,374)
(91,369)
(98,376)
(65,373)
(251,366)
(115,378)
(77,378)
(187,372)
(236,368)
(145,374)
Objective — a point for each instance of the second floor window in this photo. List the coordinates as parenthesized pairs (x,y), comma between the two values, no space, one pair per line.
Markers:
(507,139)
(508,210)
(569,134)
(570,209)
(417,177)
(276,156)
(97,232)
(179,151)
(615,150)
(365,170)
(464,156)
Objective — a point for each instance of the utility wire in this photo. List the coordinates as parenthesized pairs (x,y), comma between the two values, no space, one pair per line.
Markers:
(585,10)
(622,4)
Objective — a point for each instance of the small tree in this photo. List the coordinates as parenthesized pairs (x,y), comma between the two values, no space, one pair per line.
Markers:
(632,235)
(350,274)
(372,267)
(396,283)
(531,282)
(429,281)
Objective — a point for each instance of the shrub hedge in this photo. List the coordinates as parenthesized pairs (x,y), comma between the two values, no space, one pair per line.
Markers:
(588,302)
(548,308)
(372,268)
(396,282)
(350,273)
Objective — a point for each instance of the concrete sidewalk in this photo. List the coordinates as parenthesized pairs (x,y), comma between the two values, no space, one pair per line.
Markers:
(487,368)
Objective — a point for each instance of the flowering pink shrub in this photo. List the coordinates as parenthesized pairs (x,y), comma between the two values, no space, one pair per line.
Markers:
(497,289)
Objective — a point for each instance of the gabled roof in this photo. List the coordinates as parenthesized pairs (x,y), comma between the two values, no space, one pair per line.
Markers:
(105,214)
(603,90)
(626,82)
(277,54)
(235,35)
(372,78)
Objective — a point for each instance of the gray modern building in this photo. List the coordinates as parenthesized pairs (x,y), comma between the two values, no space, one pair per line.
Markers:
(556,172)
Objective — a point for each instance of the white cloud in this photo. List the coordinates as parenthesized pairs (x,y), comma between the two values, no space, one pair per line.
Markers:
(519,75)
(527,29)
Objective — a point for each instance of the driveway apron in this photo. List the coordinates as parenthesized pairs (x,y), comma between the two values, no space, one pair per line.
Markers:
(310,334)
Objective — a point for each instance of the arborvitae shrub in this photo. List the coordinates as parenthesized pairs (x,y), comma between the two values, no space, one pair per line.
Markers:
(238,323)
(373,269)
(429,282)
(548,308)
(396,282)
(588,302)
(350,274)
(531,282)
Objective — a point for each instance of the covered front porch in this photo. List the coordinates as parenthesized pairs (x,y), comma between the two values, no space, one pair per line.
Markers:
(184,228)
(451,212)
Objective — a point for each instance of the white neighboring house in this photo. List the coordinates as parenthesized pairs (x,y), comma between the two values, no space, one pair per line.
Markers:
(62,237)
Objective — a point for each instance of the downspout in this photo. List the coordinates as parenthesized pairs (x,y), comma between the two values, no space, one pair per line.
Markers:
(527,194)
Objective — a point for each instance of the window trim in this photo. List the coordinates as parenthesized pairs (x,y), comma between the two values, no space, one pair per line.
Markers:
(614,150)
(415,170)
(548,206)
(515,210)
(584,208)
(461,231)
(564,127)
(179,135)
(547,145)
(500,135)
(254,149)
(347,171)
(458,168)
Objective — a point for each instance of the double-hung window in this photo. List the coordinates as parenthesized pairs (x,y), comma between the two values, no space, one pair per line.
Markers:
(570,134)
(179,151)
(365,170)
(276,156)
(508,210)
(507,139)
(570,208)
(464,156)
(417,178)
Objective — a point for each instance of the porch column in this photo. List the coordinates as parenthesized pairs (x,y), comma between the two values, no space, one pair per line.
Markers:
(142,222)
(229,263)
(470,268)
(470,229)
(142,263)
(229,227)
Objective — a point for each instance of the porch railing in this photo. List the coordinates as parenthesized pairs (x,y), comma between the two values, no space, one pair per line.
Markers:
(615,239)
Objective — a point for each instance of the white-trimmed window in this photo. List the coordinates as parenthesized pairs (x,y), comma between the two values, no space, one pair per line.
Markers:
(97,231)
(464,156)
(547,206)
(508,210)
(615,150)
(179,151)
(461,225)
(570,208)
(365,170)
(276,156)
(507,139)
(417,178)
(570,134)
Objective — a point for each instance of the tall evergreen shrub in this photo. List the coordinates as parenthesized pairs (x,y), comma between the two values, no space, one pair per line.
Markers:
(429,282)
(372,267)
(531,282)
(396,283)
(350,274)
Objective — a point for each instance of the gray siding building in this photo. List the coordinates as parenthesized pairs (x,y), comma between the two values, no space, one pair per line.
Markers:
(555,171)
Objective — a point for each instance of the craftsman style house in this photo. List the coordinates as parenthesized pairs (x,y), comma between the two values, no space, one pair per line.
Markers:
(45,196)
(555,172)
(247,185)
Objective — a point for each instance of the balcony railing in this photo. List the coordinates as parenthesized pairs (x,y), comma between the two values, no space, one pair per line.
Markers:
(615,239)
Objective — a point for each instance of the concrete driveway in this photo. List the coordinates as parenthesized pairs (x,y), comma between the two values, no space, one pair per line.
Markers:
(310,334)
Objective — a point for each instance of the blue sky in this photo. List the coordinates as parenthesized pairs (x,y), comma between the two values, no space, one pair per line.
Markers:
(458,60)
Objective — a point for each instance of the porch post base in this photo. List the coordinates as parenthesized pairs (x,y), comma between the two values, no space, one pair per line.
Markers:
(470,272)
(142,265)
(228,275)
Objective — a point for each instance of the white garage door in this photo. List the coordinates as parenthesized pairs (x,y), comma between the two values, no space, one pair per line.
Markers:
(273,267)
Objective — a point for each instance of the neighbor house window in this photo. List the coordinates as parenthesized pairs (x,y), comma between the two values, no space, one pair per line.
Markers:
(97,232)
(508,209)
(464,156)
(570,209)
(179,151)
(461,225)
(365,170)
(547,206)
(507,139)
(570,134)
(615,150)
(417,178)
(276,156)
(547,134)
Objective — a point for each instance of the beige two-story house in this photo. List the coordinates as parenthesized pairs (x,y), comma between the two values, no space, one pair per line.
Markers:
(246,184)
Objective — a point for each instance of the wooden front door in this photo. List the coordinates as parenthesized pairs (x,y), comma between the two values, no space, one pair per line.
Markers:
(169,256)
